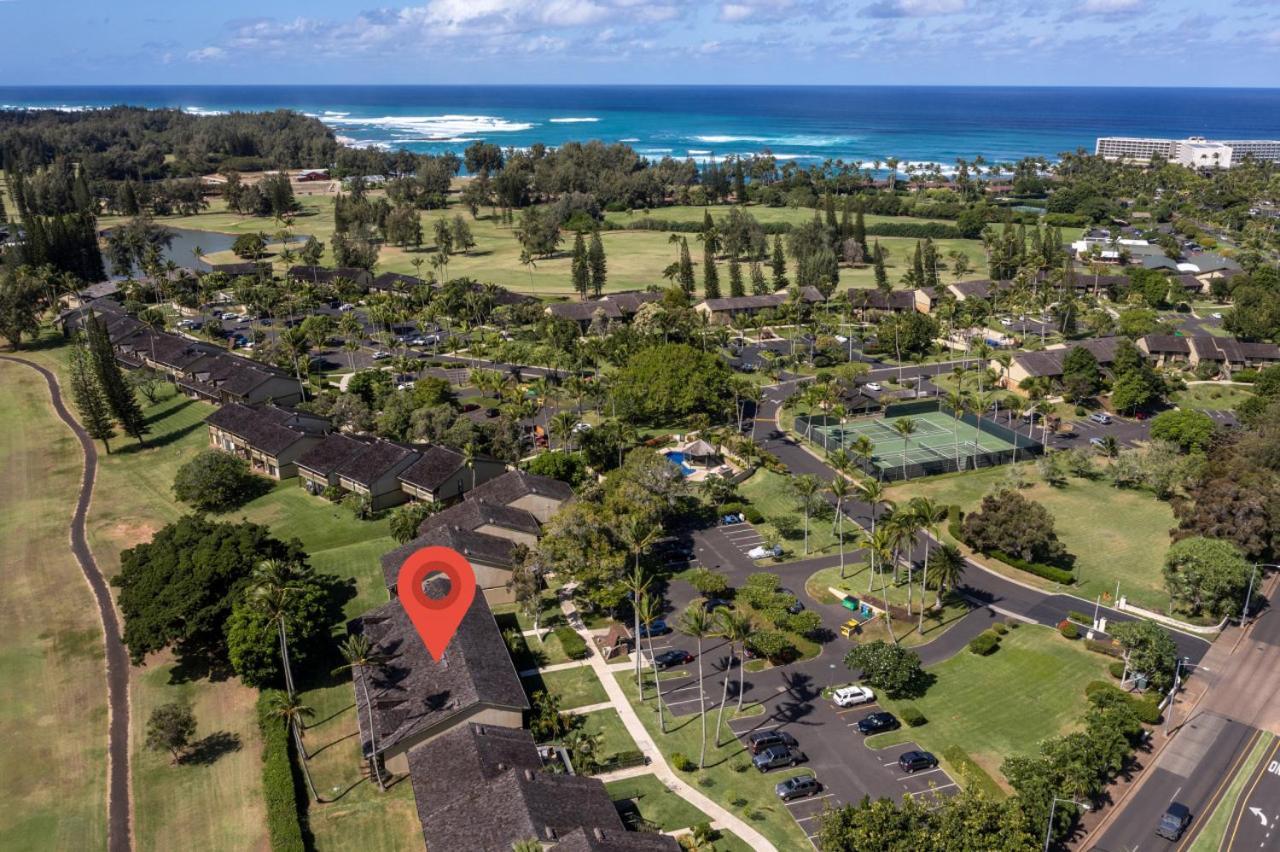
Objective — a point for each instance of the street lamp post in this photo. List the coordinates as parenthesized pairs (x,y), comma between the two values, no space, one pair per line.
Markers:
(1048,832)
(1183,663)
(1244,614)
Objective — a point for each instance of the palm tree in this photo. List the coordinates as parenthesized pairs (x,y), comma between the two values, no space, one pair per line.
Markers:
(873,491)
(273,584)
(295,344)
(638,535)
(562,426)
(695,622)
(291,709)
(531,844)
(649,609)
(882,544)
(948,569)
(841,489)
(806,488)
(864,448)
(928,513)
(737,628)
(957,403)
(905,427)
(360,654)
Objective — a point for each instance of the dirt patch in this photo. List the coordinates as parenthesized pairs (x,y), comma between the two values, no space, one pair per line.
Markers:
(127,534)
(990,764)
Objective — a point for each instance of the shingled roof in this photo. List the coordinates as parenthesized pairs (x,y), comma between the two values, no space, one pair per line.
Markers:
(325,275)
(480,547)
(755,303)
(334,451)
(1049,361)
(396,281)
(515,484)
(412,692)
(597,839)
(433,468)
(472,514)
(481,787)
(269,429)
(878,300)
(377,459)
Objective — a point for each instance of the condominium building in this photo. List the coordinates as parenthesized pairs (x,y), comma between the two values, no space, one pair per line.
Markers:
(1194,151)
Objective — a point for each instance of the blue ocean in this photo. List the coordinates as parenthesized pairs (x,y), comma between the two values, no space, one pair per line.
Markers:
(804,124)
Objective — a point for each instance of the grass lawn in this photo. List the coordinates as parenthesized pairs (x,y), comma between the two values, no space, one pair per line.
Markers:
(636,257)
(728,777)
(609,725)
(132,500)
(1213,397)
(1005,704)
(53,708)
(1115,535)
(1214,832)
(664,808)
(855,584)
(576,687)
(770,493)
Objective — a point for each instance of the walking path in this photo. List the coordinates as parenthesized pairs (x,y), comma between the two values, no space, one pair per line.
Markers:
(646,744)
(118,789)
(572,664)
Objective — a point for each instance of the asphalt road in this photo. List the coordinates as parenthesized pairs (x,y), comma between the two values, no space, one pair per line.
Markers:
(1193,769)
(1255,820)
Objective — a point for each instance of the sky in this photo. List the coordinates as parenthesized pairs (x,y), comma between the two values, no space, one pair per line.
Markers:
(845,42)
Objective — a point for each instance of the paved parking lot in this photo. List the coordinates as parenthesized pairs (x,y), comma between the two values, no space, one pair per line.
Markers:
(743,536)
(839,758)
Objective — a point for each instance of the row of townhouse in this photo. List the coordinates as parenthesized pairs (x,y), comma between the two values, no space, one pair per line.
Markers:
(1228,354)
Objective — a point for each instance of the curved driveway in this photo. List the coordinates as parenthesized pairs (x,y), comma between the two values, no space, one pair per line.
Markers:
(118,791)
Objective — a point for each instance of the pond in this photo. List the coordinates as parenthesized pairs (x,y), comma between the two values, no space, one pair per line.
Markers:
(184,241)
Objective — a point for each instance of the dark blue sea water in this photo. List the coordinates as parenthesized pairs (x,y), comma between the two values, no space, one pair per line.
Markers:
(807,124)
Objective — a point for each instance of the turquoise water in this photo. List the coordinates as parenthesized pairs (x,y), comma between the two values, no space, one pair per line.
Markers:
(677,459)
(802,124)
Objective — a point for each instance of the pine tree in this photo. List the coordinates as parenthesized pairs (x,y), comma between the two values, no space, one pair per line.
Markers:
(710,277)
(829,208)
(917,267)
(115,389)
(882,277)
(95,414)
(581,269)
(846,226)
(930,263)
(686,267)
(860,230)
(735,278)
(599,266)
(759,286)
(779,265)
(739,182)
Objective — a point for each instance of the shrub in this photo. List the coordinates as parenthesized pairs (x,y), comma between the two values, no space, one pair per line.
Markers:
(214,481)
(1000,628)
(1116,669)
(912,716)
(708,583)
(1077,615)
(752,514)
(1108,647)
(575,647)
(955,519)
(1049,572)
(1068,630)
(1081,411)
(773,646)
(984,644)
(279,786)
(1146,708)
(682,763)
(733,509)
(1013,624)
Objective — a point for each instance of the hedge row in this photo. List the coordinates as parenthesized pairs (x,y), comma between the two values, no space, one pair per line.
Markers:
(917,230)
(574,646)
(985,643)
(1109,647)
(279,786)
(955,516)
(912,716)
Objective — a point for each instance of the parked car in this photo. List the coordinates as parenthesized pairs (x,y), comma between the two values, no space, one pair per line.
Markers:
(851,696)
(874,387)
(1097,442)
(731,519)
(797,787)
(1216,315)
(657,628)
(797,607)
(667,659)
(762,552)
(713,604)
(772,758)
(1174,821)
(346,306)
(761,740)
(877,722)
(1101,418)
(914,761)
(381,355)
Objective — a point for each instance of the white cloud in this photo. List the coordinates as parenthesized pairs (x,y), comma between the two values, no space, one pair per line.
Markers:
(913,8)
(734,12)
(207,54)
(1112,8)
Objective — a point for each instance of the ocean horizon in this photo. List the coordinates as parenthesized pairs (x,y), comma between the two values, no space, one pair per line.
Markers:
(805,124)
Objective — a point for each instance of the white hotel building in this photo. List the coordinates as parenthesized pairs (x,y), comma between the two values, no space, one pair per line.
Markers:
(1194,151)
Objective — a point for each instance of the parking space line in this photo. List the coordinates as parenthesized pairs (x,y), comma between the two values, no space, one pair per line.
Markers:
(932,789)
(858,708)
(918,774)
(809,799)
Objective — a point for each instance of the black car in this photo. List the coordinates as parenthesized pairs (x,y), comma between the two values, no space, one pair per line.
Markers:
(1174,821)
(657,628)
(761,740)
(667,659)
(877,722)
(795,788)
(797,607)
(713,604)
(772,758)
(914,761)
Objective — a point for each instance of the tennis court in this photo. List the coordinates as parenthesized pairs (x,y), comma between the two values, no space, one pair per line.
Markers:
(918,439)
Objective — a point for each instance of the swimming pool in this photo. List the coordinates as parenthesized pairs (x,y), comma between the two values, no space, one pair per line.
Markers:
(677,459)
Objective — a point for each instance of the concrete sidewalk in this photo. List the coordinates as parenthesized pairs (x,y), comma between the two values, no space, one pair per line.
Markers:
(658,764)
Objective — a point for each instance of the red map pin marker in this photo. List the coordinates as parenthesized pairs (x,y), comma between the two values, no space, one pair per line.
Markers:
(436,619)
